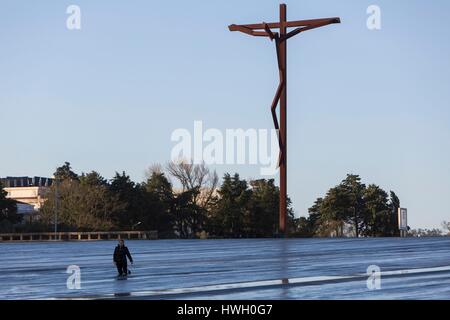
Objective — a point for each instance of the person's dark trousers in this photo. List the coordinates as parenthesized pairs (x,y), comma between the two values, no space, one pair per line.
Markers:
(122,268)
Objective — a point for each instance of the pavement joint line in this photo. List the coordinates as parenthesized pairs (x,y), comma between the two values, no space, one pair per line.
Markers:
(257,284)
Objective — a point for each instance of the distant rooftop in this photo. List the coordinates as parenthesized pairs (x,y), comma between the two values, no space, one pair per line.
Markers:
(14,182)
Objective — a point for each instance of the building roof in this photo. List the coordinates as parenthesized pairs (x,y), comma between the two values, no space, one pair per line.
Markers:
(15,182)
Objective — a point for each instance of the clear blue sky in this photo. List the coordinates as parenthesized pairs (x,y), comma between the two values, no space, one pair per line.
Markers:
(107,97)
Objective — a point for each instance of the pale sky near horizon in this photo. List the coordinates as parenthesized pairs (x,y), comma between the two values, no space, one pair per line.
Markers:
(107,97)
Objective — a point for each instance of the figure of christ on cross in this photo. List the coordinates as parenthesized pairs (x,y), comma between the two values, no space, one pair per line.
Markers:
(281,37)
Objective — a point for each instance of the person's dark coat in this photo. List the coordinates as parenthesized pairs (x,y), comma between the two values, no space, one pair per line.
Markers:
(121,254)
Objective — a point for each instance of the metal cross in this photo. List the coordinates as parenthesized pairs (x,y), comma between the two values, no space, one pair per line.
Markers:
(281,37)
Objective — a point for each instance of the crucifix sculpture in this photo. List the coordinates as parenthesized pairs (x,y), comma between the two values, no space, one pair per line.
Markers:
(281,37)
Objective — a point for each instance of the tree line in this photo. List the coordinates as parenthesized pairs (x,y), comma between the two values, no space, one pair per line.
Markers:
(200,206)
(352,208)
(8,212)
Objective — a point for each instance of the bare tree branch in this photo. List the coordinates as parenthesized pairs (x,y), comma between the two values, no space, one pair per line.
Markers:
(195,177)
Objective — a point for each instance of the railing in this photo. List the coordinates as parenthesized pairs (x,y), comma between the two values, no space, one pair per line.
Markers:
(79,236)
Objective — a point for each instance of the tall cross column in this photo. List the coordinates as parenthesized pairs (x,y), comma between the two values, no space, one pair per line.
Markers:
(281,37)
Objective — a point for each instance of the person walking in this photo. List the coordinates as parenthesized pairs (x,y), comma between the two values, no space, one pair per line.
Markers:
(121,253)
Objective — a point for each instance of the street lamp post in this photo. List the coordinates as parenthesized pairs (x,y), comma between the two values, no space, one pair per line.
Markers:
(56,205)
(135,225)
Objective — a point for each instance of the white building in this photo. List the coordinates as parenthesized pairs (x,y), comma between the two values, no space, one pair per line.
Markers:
(30,194)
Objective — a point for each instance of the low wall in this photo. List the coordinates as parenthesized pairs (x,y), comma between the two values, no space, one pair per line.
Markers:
(79,236)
